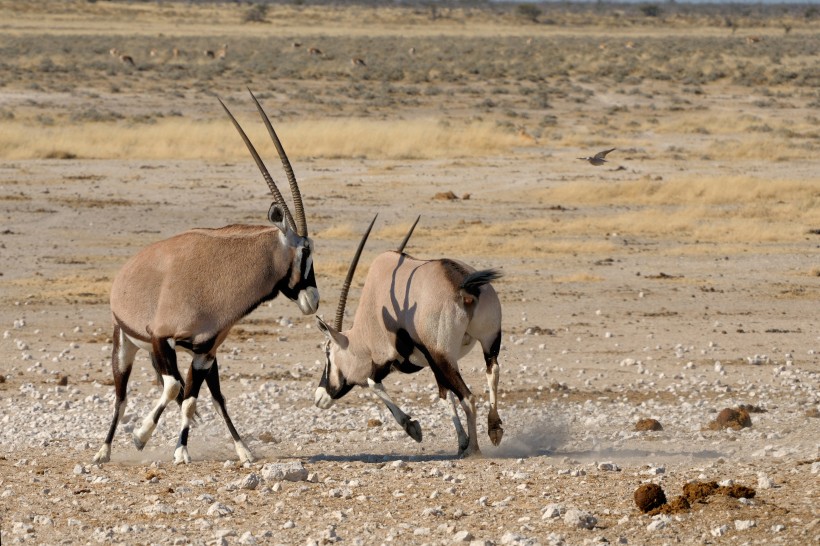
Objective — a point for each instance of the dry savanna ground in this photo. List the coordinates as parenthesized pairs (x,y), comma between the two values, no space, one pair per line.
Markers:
(679,279)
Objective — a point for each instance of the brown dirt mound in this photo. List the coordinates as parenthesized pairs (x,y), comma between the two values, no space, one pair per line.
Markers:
(680,504)
(648,425)
(649,496)
(734,418)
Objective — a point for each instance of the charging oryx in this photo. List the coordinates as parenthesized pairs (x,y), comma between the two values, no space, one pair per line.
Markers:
(187,292)
(413,314)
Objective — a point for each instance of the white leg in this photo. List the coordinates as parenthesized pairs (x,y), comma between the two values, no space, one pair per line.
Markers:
(188,410)
(169,393)
(411,427)
(494,429)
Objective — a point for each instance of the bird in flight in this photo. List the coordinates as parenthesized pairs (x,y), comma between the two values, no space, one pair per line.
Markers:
(597,159)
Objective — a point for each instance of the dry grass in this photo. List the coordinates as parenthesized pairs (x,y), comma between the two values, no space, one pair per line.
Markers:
(217,141)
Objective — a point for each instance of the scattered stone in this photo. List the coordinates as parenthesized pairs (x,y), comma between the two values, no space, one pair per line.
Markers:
(251,481)
(744,524)
(63,381)
(735,419)
(764,481)
(292,472)
(719,531)
(609,467)
(813,413)
(373,423)
(552,511)
(644,425)
(580,519)
(649,496)
(658,523)
(218,509)
(462,536)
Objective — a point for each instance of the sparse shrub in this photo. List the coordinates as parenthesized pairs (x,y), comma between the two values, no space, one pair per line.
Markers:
(255,14)
(650,10)
(530,12)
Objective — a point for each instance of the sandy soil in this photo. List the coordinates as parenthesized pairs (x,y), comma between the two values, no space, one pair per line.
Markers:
(593,342)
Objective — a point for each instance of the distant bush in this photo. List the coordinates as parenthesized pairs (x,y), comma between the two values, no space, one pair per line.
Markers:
(255,14)
(529,11)
(650,10)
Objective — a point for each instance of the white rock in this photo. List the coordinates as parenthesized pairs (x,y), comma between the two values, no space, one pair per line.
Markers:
(778,527)
(552,510)
(579,518)
(764,481)
(720,531)
(744,524)
(462,536)
(218,509)
(292,472)
(288,525)
(815,467)
(658,523)
(251,481)
(609,467)
(247,538)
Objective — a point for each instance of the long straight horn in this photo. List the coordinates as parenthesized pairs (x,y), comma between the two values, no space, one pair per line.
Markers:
(340,311)
(277,195)
(298,208)
(407,237)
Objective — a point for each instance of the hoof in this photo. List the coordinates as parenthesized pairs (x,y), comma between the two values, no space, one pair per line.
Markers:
(103,455)
(138,443)
(470,454)
(496,435)
(494,429)
(181,455)
(244,453)
(413,430)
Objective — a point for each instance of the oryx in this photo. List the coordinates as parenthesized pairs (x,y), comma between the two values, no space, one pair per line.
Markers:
(187,292)
(414,314)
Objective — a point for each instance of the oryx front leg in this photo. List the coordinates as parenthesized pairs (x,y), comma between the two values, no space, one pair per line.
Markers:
(411,427)
(122,358)
(212,379)
(200,367)
(165,362)
(170,389)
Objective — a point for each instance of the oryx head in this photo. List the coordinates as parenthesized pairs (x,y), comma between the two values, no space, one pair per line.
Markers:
(335,381)
(300,286)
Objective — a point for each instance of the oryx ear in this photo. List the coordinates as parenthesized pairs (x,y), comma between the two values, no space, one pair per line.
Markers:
(332,334)
(276,216)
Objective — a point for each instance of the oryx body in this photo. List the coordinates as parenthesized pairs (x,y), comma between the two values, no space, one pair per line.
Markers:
(186,292)
(414,314)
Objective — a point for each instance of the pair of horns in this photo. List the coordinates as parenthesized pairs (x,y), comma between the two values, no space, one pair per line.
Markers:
(301,223)
(340,310)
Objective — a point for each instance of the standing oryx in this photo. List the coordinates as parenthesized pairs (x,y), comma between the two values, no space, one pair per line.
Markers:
(413,314)
(187,292)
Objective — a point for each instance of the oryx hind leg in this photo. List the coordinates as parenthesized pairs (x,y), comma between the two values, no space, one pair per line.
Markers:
(494,422)
(410,426)
(452,405)
(449,379)
(212,379)
(165,362)
(122,359)
(199,370)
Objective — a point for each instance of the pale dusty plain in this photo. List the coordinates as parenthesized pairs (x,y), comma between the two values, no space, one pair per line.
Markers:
(679,279)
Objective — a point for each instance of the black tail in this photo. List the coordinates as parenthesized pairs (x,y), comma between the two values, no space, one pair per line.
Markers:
(473,282)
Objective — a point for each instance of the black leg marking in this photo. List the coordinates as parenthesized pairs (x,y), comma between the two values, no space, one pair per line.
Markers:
(212,379)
